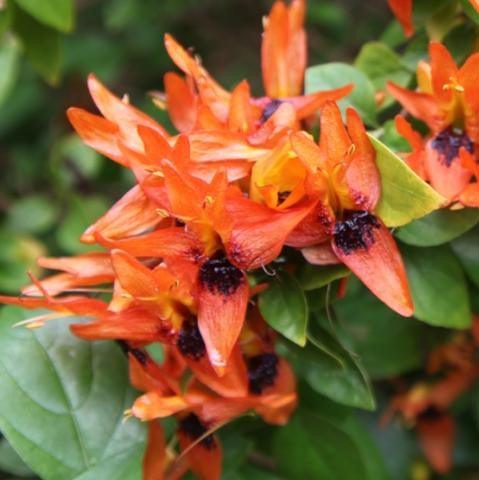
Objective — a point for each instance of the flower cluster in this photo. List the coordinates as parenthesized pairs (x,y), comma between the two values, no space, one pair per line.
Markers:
(447,103)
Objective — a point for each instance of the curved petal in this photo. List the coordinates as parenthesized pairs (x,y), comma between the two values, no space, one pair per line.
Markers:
(182,102)
(134,213)
(223,295)
(154,461)
(367,247)
(420,105)
(402,9)
(443,68)
(98,133)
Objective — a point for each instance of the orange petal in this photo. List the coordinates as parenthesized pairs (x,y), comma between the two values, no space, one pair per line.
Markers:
(153,405)
(154,461)
(284,50)
(437,441)
(420,105)
(443,68)
(134,324)
(233,383)
(365,245)
(362,175)
(259,233)
(182,102)
(98,133)
(204,459)
(134,213)
(223,295)
(333,137)
(306,105)
(402,9)
(470,195)
(449,179)
(242,112)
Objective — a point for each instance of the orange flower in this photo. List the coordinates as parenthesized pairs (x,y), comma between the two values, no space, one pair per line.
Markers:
(426,405)
(200,103)
(343,174)
(447,102)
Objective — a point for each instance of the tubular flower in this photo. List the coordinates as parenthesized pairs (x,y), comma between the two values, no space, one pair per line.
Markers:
(342,174)
(200,103)
(199,412)
(454,369)
(447,102)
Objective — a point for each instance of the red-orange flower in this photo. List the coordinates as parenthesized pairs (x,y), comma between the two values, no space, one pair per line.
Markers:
(342,173)
(448,103)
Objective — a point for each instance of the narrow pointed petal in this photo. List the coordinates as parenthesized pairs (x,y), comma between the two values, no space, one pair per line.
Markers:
(182,102)
(443,68)
(283,52)
(153,405)
(223,295)
(154,461)
(98,133)
(365,245)
(333,136)
(420,105)
(362,175)
(133,214)
(402,9)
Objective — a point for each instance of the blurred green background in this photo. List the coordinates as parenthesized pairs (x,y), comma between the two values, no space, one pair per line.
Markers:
(51,185)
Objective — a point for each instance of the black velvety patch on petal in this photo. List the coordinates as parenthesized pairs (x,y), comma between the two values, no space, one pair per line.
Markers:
(270,109)
(448,143)
(262,372)
(355,230)
(220,276)
(138,353)
(193,428)
(190,342)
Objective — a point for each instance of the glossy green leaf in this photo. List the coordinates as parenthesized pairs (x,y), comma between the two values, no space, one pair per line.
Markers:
(333,371)
(466,249)
(42,45)
(387,343)
(9,61)
(32,214)
(312,277)
(11,462)
(438,287)
(404,196)
(439,227)
(284,307)
(381,64)
(316,444)
(334,75)
(53,13)
(62,401)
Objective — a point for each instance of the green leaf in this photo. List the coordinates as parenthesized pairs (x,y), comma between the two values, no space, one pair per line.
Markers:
(62,400)
(312,277)
(53,13)
(319,444)
(332,370)
(11,462)
(82,213)
(9,56)
(439,227)
(32,214)
(334,75)
(438,286)
(466,249)
(380,63)
(388,344)
(284,307)
(42,45)
(470,10)
(404,196)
